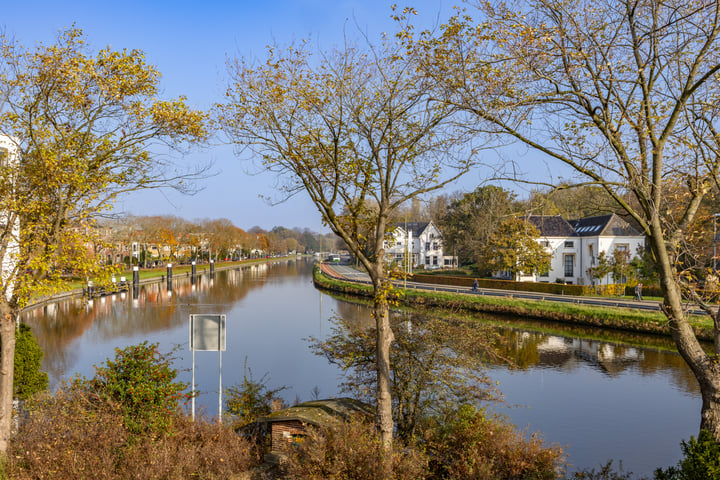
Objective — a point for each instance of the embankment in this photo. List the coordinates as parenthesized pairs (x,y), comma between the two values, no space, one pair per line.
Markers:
(626,319)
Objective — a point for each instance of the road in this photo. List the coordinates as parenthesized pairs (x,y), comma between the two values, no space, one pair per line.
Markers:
(347,272)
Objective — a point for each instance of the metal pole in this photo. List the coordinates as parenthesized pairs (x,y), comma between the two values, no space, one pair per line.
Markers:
(407,269)
(220,391)
(220,371)
(715,243)
(192,385)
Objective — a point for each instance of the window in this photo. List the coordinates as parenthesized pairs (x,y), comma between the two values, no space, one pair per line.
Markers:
(622,247)
(427,246)
(569,244)
(569,261)
(544,243)
(435,245)
(434,260)
(3,157)
(427,260)
(591,254)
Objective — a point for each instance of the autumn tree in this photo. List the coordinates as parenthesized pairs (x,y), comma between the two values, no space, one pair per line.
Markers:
(572,202)
(470,221)
(514,247)
(602,268)
(436,364)
(349,127)
(624,94)
(80,129)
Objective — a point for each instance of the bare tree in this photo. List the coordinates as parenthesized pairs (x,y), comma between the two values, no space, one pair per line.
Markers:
(624,93)
(357,131)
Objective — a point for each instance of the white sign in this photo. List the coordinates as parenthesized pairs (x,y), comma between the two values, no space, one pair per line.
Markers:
(207,332)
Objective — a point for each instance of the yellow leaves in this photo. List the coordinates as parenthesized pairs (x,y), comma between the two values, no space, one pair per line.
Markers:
(175,118)
(83,122)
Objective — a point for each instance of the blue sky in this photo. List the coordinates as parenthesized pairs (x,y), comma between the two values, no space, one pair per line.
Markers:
(189,42)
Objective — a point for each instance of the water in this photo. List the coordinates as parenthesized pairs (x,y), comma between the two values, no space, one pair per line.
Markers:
(617,398)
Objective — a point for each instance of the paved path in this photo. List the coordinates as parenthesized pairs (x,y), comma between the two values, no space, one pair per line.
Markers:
(347,272)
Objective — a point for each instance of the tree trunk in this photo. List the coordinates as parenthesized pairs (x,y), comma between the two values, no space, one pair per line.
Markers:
(384,418)
(383,341)
(704,367)
(7,364)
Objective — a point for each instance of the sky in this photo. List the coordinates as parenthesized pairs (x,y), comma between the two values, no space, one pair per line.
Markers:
(189,43)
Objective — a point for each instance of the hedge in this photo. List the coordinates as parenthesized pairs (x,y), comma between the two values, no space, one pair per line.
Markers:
(554,288)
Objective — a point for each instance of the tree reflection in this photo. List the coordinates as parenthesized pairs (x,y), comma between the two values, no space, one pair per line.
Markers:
(58,325)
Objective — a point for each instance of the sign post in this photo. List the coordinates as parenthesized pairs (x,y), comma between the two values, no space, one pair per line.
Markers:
(207,332)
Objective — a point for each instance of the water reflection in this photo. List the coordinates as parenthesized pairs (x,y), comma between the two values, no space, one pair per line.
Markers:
(532,350)
(603,395)
(60,326)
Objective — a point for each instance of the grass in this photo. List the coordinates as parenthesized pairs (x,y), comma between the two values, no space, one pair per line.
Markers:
(627,319)
(71,285)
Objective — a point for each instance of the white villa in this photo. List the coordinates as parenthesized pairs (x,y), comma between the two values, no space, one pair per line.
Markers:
(575,245)
(421,242)
(8,155)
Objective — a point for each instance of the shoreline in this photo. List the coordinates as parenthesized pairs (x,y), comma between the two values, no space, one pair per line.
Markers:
(152,275)
(612,318)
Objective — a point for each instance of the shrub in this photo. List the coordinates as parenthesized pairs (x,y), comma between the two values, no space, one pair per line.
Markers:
(141,382)
(467,444)
(63,438)
(606,472)
(352,451)
(70,435)
(29,379)
(701,460)
(250,400)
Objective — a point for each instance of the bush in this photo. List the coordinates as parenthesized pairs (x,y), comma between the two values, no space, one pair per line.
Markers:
(467,444)
(247,402)
(606,472)
(70,435)
(141,383)
(352,451)
(29,379)
(701,460)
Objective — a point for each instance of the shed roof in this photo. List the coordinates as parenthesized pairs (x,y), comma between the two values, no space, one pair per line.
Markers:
(322,413)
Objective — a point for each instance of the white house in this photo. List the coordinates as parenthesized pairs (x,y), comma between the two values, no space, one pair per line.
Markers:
(421,242)
(9,227)
(575,245)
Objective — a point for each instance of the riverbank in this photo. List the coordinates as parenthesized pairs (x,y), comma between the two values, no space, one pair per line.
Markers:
(151,275)
(616,318)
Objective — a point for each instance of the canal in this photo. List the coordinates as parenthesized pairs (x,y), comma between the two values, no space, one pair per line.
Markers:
(600,396)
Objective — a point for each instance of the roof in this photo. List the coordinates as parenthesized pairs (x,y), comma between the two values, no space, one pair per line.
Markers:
(417,228)
(604,225)
(551,225)
(321,412)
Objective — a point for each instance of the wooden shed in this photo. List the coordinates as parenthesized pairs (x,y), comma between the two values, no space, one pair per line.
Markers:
(290,426)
